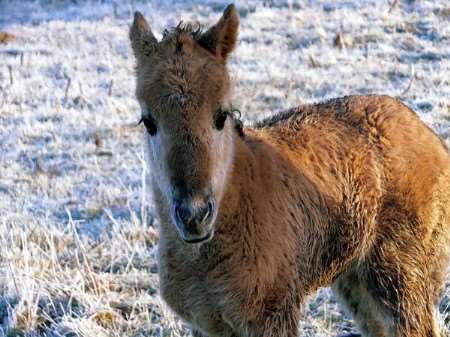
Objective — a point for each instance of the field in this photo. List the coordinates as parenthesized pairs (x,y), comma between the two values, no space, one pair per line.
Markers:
(77,235)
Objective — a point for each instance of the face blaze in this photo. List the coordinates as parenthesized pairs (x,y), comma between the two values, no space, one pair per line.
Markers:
(182,83)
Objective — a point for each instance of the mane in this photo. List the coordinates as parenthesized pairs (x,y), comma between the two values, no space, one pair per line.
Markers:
(301,111)
(277,118)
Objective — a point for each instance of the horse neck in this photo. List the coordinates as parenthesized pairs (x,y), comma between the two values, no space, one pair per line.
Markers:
(245,178)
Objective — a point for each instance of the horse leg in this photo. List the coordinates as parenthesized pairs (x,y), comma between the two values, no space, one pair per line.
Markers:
(350,290)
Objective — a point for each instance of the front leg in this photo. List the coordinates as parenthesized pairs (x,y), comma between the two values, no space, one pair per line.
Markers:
(279,317)
(281,321)
(197,333)
(224,333)
(274,326)
(282,324)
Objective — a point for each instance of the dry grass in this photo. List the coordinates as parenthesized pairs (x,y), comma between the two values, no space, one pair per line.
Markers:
(55,282)
(76,233)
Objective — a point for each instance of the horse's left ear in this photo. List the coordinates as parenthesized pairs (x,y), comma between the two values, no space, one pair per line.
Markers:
(142,39)
(221,38)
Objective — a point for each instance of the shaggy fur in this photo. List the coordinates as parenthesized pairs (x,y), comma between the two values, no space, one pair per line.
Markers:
(352,193)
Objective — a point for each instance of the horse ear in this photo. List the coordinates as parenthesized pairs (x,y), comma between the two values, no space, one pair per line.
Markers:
(142,39)
(221,38)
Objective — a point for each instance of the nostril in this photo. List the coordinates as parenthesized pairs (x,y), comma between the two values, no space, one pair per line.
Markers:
(209,209)
(193,216)
(183,214)
(177,212)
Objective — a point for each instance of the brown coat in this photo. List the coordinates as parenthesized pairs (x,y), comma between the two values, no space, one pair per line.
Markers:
(352,193)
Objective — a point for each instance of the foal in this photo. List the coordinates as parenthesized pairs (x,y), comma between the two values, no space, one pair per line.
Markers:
(352,193)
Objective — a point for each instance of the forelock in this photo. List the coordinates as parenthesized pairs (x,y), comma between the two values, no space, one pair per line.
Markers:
(193,29)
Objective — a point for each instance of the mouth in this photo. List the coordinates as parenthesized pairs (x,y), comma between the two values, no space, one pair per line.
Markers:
(205,238)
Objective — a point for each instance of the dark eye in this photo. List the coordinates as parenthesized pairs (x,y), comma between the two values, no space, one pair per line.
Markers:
(219,119)
(150,124)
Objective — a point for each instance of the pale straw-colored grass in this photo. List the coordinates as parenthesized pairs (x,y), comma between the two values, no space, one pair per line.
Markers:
(77,236)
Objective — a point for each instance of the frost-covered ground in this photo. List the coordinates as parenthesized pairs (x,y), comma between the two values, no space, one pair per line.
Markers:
(76,231)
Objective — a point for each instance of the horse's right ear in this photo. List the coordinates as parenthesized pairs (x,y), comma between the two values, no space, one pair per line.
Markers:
(221,38)
(142,39)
